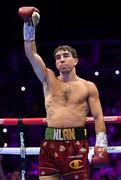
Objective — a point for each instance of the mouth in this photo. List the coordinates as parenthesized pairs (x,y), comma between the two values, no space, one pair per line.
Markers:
(64,66)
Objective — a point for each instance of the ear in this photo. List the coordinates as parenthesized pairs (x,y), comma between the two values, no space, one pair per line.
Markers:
(76,61)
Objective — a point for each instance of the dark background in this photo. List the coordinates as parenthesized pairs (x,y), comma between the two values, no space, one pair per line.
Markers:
(93,29)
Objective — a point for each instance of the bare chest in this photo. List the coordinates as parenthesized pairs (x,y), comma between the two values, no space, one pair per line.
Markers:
(71,93)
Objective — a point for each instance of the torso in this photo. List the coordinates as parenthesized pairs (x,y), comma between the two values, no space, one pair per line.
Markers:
(67,103)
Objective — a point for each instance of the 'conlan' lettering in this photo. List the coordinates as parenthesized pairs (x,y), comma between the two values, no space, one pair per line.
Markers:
(64,134)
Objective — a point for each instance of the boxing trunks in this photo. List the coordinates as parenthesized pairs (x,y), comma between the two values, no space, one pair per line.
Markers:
(64,152)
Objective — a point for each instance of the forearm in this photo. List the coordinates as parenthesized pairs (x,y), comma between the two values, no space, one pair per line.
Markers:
(30,48)
(99,124)
(35,60)
(31,53)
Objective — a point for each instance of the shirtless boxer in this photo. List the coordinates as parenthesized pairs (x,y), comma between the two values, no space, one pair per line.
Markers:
(68,98)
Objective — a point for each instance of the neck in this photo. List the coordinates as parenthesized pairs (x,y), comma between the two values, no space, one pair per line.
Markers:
(66,77)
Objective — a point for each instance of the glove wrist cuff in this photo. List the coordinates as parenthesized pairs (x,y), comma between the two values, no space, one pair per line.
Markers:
(29,31)
(101,139)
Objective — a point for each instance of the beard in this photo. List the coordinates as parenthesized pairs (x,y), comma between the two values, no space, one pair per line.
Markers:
(65,69)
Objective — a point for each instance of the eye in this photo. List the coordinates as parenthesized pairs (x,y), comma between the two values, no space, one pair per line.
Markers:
(57,57)
(65,55)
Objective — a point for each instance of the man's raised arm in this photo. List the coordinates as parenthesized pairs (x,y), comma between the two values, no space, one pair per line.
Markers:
(31,17)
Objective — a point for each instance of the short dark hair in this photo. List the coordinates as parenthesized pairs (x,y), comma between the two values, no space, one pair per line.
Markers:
(64,48)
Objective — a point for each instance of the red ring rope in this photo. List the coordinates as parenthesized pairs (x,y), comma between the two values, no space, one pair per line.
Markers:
(42,121)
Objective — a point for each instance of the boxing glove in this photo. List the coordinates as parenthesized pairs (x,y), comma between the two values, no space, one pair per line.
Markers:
(99,155)
(26,12)
(31,18)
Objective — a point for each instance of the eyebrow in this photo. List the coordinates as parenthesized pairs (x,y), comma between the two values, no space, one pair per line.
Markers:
(65,53)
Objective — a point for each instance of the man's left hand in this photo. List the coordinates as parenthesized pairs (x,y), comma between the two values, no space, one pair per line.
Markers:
(100,157)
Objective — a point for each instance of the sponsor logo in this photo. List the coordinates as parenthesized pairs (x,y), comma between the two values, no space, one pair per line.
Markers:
(22,147)
(76,164)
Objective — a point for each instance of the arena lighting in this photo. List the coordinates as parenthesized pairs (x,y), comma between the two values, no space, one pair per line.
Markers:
(96,73)
(117,72)
(5,145)
(5,130)
(23,88)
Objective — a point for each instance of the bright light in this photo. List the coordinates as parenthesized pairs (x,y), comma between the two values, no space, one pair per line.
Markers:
(117,72)
(5,130)
(5,144)
(96,73)
(23,88)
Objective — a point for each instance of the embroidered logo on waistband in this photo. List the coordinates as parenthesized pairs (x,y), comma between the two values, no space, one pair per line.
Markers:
(76,164)
(60,134)
(68,134)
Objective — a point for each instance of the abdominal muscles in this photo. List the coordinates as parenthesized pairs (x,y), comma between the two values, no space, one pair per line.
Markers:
(67,105)
(66,115)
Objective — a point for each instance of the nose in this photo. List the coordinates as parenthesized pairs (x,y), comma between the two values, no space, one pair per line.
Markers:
(62,59)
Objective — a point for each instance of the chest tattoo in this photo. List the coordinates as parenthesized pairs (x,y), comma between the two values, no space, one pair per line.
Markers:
(50,111)
(67,93)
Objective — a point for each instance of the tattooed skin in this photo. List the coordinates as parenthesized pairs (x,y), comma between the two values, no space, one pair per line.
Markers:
(67,104)
(66,94)
(50,112)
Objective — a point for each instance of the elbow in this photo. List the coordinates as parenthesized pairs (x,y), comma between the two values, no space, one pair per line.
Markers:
(98,117)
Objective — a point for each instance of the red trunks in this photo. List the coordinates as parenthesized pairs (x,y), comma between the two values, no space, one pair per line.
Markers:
(64,158)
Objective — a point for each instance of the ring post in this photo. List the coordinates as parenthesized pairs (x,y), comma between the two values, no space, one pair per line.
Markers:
(22,150)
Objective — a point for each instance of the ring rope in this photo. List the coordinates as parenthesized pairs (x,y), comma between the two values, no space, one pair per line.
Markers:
(43,121)
(23,151)
(36,150)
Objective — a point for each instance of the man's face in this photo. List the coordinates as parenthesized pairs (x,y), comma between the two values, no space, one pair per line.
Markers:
(64,61)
